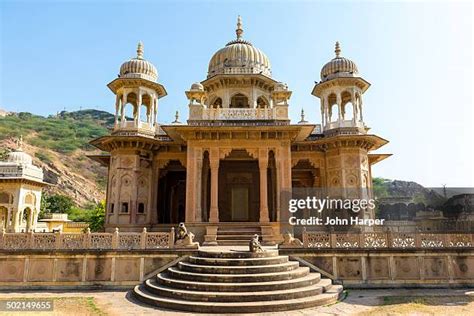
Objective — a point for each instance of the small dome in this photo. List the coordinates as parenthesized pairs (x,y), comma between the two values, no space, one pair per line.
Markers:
(197,86)
(281,86)
(239,57)
(339,67)
(19,157)
(139,67)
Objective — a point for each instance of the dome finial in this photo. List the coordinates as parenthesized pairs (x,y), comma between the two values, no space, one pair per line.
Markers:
(302,121)
(19,143)
(337,50)
(176,116)
(140,50)
(239,31)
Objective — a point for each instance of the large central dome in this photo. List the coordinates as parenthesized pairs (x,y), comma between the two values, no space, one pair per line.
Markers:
(239,57)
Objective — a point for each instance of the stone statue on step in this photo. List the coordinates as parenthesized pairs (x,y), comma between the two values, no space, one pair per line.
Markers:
(184,239)
(254,245)
(290,242)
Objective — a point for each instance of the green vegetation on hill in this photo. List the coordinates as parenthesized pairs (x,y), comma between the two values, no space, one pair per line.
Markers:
(379,186)
(62,133)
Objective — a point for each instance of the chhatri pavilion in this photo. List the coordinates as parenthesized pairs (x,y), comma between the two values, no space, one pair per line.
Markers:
(226,167)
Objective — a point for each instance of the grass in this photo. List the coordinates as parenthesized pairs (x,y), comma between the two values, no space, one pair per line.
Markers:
(422,305)
(62,306)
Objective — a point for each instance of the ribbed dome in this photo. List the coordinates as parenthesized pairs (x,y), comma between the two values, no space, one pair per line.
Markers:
(19,157)
(197,86)
(239,57)
(338,67)
(139,67)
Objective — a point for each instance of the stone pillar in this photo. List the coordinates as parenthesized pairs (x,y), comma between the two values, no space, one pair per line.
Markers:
(263,167)
(190,185)
(8,219)
(150,205)
(339,107)
(354,107)
(117,109)
(214,164)
(322,112)
(198,187)
(122,110)
(155,114)
(139,108)
(118,189)
(204,192)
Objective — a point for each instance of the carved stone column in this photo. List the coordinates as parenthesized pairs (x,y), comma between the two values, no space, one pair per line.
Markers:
(263,166)
(214,164)
(122,108)
(190,185)
(139,109)
(339,108)
(117,109)
(198,194)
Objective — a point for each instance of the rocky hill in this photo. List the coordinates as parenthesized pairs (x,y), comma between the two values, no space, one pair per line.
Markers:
(59,144)
(407,190)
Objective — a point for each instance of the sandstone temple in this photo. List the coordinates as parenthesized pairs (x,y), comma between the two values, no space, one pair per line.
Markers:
(226,167)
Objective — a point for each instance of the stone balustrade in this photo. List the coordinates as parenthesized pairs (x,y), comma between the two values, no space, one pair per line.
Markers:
(391,240)
(239,114)
(97,241)
(344,124)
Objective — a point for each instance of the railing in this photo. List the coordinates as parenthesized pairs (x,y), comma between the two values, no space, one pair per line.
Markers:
(10,171)
(391,240)
(239,114)
(239,70)
(87,240)
(135,127)
(343,124)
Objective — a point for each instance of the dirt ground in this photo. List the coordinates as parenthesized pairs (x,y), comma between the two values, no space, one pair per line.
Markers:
(357,302)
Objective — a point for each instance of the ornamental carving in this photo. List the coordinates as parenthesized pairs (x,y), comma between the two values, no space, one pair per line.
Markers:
(333,162)
(126,162)
(351,161)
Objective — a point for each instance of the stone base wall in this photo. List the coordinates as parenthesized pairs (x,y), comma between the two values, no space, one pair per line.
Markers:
(393,268)
(80,268)
(359,268)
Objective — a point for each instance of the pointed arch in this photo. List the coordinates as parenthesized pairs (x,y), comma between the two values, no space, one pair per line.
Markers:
(262,102)
(239,101)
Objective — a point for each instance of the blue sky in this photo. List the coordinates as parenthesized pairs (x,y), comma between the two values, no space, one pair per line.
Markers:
(417,56)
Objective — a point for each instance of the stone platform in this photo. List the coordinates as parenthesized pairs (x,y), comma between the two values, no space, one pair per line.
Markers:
(224,280)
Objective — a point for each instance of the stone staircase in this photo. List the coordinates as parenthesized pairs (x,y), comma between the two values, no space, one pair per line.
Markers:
(235,235)
(237,282)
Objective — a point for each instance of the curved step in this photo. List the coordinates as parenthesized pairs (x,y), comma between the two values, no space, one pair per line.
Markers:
(237,254)
(143,295)
(216,269)
(238,278)
(309,279)
(160,290)
(232,242)
(234,237)
(238,261)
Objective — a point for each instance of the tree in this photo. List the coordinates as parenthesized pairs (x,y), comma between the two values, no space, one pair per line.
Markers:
(97,220)
(58,203)
(379,187)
